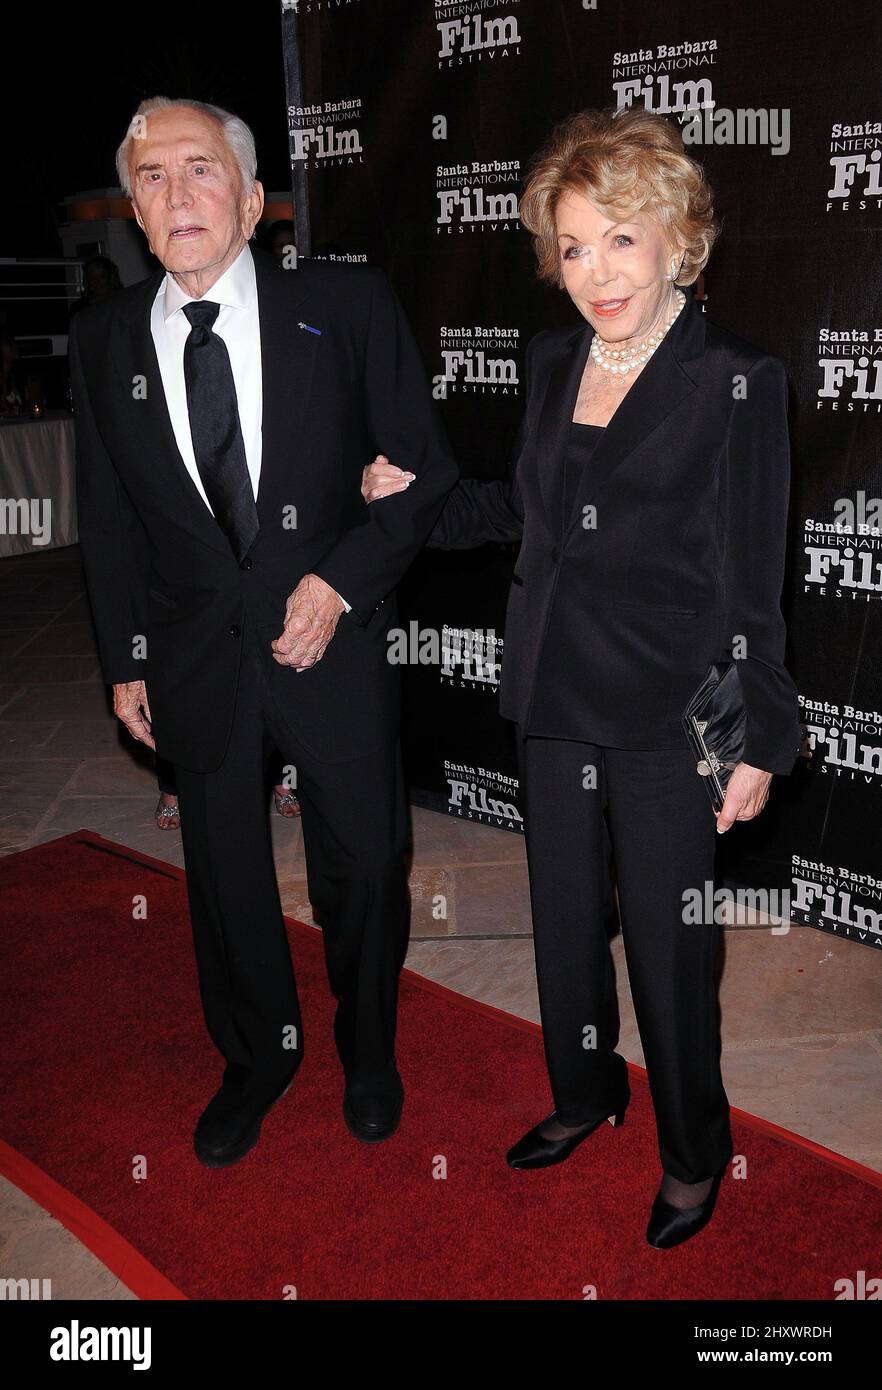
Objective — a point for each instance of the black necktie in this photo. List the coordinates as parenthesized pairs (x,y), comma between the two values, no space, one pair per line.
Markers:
(215,429)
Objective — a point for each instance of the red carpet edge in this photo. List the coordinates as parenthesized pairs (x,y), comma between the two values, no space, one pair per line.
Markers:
(147,1282)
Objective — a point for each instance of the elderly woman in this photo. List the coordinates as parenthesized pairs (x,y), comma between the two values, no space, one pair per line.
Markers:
(649,491)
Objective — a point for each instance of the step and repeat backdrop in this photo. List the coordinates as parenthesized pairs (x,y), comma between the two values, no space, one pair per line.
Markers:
(416,125)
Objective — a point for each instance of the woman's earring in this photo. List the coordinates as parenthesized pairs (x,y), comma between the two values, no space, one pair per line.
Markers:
(673,274)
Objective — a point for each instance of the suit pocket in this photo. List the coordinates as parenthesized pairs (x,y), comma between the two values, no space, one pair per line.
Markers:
(654,608)
(162,598)
(516,579)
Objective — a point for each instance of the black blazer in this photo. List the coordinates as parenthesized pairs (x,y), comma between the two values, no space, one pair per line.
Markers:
(158,565)
(610,630)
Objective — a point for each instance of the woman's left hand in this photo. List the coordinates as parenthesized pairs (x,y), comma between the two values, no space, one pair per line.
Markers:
(746,795)
(381,478)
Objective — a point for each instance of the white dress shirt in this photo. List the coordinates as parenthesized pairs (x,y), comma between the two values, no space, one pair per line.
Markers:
(238,323)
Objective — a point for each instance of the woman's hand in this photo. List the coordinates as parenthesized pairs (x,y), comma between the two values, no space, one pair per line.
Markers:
(381,478)
(746,795)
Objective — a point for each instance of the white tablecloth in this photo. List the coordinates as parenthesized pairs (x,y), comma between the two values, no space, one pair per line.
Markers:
(37,467)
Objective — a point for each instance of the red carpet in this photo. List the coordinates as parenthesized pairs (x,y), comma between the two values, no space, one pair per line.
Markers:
(105,1058)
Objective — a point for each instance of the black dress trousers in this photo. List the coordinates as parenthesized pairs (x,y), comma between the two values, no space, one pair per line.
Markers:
(663,836)
(355,831)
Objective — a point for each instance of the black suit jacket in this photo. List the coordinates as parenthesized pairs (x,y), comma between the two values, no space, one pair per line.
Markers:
(609,630)
(159,567)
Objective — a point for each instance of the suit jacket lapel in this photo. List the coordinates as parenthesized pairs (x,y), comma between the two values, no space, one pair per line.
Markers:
(288,351)
(137,358)
(554,422)
(663,383)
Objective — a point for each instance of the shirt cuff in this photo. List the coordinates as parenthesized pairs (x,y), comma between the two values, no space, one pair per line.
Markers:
(347,606)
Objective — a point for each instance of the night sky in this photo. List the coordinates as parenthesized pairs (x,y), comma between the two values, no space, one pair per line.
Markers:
(71,84)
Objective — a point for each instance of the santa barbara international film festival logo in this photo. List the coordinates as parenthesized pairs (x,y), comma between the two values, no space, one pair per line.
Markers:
(480,196)
(326,133)
(478,360)
(339,8)
(856,162)
(656,77)
(475,793)
(466,657)
(845,742)
(837,900)
(471,659)
(676,80)
(850,370)
(476,31)
(844,554)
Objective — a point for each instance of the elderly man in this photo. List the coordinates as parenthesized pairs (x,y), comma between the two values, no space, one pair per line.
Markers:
(242,593)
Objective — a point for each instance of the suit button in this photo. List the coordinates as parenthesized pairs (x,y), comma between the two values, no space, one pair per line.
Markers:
(247,563)
(235,631)
(555,554)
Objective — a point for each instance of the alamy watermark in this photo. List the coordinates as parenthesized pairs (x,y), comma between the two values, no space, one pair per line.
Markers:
(27,516)
(706,904)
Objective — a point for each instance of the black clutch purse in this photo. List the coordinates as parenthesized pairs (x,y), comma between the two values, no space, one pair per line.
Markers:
(715,721)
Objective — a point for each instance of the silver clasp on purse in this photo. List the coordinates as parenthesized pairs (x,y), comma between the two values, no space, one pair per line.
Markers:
(710,763)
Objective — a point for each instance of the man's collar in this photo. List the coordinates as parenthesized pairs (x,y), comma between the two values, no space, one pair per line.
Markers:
(237,287)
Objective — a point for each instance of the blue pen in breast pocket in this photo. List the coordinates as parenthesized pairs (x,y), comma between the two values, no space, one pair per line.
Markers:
(309,328)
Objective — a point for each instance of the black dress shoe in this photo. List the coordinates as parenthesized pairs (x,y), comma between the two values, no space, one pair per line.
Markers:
(535,1151)
(670,1226)
(228,1128)
(372,1110)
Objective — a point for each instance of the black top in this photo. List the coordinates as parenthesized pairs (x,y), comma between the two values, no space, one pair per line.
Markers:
(584,439)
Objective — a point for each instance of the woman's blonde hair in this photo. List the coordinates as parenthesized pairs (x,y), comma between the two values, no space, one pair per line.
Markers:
(626,161)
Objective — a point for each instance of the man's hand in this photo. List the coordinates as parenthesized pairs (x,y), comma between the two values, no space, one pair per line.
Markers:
(746,795)
(381,478)
(311,615)
(130,705)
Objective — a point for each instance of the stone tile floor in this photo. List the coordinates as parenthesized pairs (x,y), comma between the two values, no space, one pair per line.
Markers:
(802,1031)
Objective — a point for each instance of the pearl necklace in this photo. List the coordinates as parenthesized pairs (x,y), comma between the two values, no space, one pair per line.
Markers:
(621,360)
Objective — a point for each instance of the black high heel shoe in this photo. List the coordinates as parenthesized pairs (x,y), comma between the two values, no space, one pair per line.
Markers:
(670,1226)
(535,1151)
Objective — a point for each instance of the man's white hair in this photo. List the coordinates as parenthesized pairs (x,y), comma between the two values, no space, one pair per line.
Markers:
(237,134)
